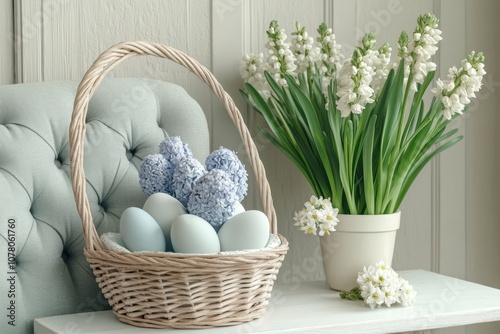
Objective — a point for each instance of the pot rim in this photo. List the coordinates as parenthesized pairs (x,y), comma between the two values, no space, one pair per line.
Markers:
(368,223)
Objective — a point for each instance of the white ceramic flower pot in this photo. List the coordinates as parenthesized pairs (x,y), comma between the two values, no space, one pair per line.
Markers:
(359,240)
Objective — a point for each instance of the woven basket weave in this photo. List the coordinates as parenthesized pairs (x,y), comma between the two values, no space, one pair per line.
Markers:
(167,289)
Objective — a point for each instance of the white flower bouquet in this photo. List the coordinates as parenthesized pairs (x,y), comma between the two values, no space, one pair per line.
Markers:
(357,127)
(317,215)
(379,285)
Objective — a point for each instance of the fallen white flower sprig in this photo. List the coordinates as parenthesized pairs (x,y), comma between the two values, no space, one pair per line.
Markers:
(379,284)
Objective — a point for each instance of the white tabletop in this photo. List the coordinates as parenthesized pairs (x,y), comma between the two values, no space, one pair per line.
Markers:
(310,307)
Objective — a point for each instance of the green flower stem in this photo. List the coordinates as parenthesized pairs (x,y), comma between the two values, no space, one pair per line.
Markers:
(368,163)
(417,106)
(348,142)
(402,112)
(353,294)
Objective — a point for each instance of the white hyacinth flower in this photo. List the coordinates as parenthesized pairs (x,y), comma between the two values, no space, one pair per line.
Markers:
(461,85)
(382,66)
(330,58)
(354,90)
(303,48)
(281,59)
(418,50)
(252,71)
(426,37)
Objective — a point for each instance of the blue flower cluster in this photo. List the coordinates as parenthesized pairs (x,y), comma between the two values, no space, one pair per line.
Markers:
(173,149)
(153,175)
(227,161)
(213,198)
(211,192)
(187,173)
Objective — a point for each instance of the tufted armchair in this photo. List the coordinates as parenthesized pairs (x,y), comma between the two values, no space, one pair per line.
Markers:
(43,269)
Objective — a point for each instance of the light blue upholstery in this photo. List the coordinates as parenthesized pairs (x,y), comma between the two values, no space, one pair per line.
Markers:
(126,121)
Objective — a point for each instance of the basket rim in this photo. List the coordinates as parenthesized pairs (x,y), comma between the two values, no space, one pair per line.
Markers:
(284,246)
(218,254)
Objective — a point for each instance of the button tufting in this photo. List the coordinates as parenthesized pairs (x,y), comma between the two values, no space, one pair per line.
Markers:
(130,154)
(102,207)
(64,255)
(58,163)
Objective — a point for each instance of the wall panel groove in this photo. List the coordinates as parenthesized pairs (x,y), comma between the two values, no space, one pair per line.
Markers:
(436,185)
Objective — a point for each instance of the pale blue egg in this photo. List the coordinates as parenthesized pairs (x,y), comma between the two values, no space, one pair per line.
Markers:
(193,235)
(246,230)
(140,231)
(164,209)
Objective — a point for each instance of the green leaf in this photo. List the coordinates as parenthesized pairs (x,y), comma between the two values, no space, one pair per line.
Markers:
(336,143)
(247,100)
(417,168)
(393,112)
(367,167)
(277,89)
(301,164)
(261,105)
(388,115)
(283,141)
(313,124)
(303,82)
(417,104)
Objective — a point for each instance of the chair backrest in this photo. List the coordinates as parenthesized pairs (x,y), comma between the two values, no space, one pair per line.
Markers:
(44,271)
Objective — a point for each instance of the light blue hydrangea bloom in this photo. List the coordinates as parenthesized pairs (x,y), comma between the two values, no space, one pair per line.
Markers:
(152,174)
(188,171)
(227,160)
(173,149)
(213,198)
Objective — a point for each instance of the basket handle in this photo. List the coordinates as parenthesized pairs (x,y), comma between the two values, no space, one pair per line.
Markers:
(88,85)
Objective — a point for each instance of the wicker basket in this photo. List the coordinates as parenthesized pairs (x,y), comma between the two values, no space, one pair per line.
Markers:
(166,289)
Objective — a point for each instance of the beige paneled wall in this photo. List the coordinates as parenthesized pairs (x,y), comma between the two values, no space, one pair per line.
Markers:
(483,158)
(6,42)
(450,218)
(71,34)
(482,132)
